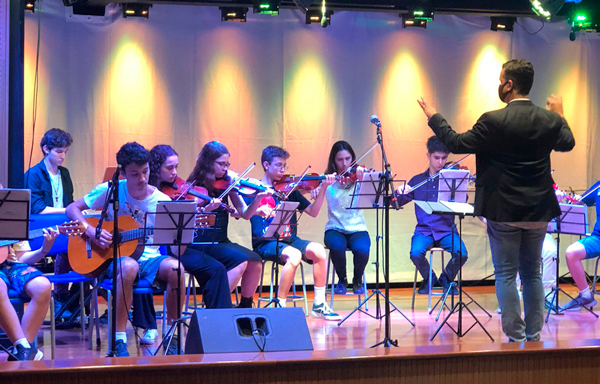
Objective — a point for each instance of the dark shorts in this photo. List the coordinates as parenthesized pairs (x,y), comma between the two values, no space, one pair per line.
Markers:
(591,245)
(147,271)
(268,251)
(17,275)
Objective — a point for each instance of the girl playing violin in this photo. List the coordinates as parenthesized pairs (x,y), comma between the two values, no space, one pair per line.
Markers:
(211,172)
(292,249)
(210,274)
(346,228)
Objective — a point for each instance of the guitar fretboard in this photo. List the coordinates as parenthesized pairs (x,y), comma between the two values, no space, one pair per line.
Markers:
(134,234)
(32,235)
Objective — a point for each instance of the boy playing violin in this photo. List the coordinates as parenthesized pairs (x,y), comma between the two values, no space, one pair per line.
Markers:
(292,250)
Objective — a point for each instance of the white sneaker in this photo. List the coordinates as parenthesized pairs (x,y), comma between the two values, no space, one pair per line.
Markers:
(149,337)
(322,311)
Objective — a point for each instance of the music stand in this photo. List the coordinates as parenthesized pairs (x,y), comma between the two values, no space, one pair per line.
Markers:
(174,225)
(276,228)
(573,220)
(453,195)
(14,220)
(14,214)
(461,210)
(368,194)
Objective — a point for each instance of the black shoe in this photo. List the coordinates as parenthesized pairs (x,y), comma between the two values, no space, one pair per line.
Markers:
(424,287)
(23,354)
(121,349)
(446,285)
(341,287)
(171,346)
(246,302)
(357,286)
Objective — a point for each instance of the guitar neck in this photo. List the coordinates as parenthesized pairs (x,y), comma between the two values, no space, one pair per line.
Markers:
(32,235)
(135,234)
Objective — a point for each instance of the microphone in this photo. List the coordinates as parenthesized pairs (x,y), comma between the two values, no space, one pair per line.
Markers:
(375,120)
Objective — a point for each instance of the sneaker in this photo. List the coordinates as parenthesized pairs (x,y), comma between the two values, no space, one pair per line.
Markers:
(578,302)
(58,305)
(322,311)
(341,287)
(23,354)
(171,346)
(149,337)
(357,286)
(121,349)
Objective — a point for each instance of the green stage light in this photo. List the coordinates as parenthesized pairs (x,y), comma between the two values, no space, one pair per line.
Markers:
(266,7)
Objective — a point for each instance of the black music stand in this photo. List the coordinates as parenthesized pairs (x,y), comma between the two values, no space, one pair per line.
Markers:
(14,220)
(368,194)
(461,210)
(174,226)
(571,221)
(278,227)
(453,184)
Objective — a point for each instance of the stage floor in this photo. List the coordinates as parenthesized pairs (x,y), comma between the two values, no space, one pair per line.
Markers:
(361,331)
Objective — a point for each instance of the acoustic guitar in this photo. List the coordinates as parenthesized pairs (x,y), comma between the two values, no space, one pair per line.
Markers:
(72,228)
(90,260)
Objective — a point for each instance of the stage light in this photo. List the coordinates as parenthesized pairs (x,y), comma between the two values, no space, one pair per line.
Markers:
(502,23)
(136,10)
(582,18)
(267,7)
(408,21)
(314,16)
(30,5)
(233,14)
(547,8)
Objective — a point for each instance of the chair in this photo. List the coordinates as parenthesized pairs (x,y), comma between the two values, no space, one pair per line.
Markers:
(293,297)
(431,252)
(74,278)
(332,290)
(142,287)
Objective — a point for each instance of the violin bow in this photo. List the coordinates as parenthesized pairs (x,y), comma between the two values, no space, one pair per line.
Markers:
(422,183)
(237,180)
(360,158)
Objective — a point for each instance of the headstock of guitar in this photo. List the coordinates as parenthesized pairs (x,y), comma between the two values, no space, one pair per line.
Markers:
(72,228)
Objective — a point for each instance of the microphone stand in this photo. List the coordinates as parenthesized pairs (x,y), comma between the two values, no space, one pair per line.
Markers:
(387,201)
(113,196)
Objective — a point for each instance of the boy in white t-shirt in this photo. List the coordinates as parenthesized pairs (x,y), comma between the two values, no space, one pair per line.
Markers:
(137,199)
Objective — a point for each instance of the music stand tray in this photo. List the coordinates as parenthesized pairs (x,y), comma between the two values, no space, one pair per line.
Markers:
(14,214)
(573,220)
(367,191)
(453,185)
(166,225)
(283,214)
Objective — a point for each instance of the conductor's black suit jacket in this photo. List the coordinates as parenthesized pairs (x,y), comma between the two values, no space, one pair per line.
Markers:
(512,147)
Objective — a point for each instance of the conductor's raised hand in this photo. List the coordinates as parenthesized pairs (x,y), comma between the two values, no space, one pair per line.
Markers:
(428,109)
(555,104)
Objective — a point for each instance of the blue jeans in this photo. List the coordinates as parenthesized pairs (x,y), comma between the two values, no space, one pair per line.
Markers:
(420,244)
(358,242)
(516,249)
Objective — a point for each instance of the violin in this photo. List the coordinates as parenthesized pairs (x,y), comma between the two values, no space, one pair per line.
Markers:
(182,190)
(566,197)
(309,182)
(246,186)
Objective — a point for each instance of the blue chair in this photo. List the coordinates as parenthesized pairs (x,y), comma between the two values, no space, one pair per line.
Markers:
(143,287)
(61,246)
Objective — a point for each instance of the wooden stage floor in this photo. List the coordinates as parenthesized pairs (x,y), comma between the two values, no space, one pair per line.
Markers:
(361,331)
